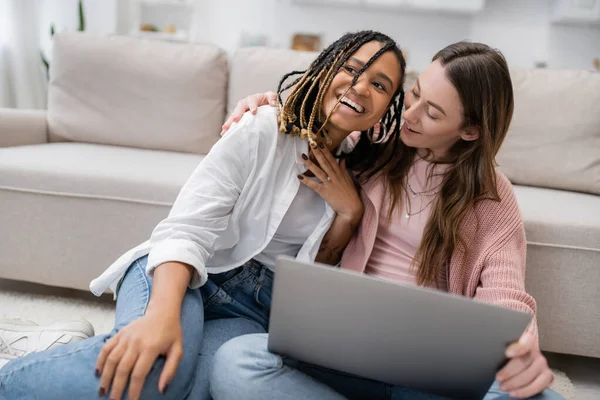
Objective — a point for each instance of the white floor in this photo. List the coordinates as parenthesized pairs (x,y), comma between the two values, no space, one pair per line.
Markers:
(45,305)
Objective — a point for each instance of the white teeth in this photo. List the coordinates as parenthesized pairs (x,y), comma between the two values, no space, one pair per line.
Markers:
(410,129)
(355,106)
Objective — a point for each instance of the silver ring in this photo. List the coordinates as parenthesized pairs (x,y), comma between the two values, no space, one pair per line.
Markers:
(328,179)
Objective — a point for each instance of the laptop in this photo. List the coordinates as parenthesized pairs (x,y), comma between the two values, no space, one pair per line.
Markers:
(402,335)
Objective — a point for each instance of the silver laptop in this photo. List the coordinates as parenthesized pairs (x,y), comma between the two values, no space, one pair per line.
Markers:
(402,335)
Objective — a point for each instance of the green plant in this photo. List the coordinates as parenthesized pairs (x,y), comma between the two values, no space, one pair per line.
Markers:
(80,28)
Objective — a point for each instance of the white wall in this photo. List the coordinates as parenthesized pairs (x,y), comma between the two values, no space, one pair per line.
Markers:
(5,93)
(100,16)
(123,16)
(520,28)
(222,22)
(573,46)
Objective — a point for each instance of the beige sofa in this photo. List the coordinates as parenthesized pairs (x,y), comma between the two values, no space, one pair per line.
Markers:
(128,120)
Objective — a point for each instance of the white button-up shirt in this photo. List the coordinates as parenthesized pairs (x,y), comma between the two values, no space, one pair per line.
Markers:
(231,206)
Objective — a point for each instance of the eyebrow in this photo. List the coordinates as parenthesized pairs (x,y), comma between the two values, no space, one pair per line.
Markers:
(431,103)
(379,74)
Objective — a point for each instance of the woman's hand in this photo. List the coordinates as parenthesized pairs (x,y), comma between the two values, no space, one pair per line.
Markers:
(250,103)
(131,353)
(527,373)
(336,185)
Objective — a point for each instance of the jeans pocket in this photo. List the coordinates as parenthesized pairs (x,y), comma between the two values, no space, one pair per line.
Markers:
(221,288)
(226,278)
(218,298)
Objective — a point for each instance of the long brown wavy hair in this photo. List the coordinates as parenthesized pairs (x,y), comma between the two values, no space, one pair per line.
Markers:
(482,79)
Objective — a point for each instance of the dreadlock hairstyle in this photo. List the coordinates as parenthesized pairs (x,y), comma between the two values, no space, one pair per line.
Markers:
(302,112)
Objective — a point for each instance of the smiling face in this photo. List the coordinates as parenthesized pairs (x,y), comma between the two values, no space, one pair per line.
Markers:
(366,102)
(433,116)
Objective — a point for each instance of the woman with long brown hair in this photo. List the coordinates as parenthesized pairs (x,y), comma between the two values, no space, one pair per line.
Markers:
(438,214)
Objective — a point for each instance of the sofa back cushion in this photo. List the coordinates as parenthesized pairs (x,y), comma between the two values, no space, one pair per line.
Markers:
(554,137)
(139,93)
(259,69)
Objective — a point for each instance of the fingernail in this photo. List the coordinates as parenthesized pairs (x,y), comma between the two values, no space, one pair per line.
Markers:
(510,353)
(304,157)
(300,177)
(321,146)
(101,392)
(97,372)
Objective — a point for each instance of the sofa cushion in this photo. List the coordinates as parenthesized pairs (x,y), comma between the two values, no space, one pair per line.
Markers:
(259,69)
(563,266)
(138,93)
(96,171)
(69,210)
(554,138)
(561,219)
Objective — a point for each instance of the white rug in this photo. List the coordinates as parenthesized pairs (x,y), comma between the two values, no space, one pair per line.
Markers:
(45,309)
(563,385)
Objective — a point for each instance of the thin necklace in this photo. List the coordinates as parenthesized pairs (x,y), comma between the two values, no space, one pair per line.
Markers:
(423,193)
(408,206)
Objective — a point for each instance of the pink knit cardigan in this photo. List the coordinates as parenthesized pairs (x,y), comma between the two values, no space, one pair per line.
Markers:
(494,265)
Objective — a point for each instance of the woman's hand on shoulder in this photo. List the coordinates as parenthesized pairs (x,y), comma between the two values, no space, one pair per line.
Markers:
(250,103)
(527,373)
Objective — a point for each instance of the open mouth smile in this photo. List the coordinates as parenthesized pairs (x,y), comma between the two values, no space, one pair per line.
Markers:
(352,105)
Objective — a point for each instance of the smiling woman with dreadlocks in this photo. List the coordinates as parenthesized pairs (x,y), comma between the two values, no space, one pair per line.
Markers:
(205,275)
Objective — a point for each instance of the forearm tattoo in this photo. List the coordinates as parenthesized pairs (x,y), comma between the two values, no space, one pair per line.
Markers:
(330,252)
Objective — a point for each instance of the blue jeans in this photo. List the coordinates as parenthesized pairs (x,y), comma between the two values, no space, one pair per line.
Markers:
(228,305)
(243,368)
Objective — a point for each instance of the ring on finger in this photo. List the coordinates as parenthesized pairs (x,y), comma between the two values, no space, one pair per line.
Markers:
(328,179)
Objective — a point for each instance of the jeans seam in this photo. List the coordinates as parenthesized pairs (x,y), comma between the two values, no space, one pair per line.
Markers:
(145,297)
(259,287)
(389,391)
(147,286)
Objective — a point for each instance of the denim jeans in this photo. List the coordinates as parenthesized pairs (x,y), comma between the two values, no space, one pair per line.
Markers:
(228,305)
(243,368)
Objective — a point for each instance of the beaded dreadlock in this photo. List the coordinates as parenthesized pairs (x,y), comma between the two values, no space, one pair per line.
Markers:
(302,113)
